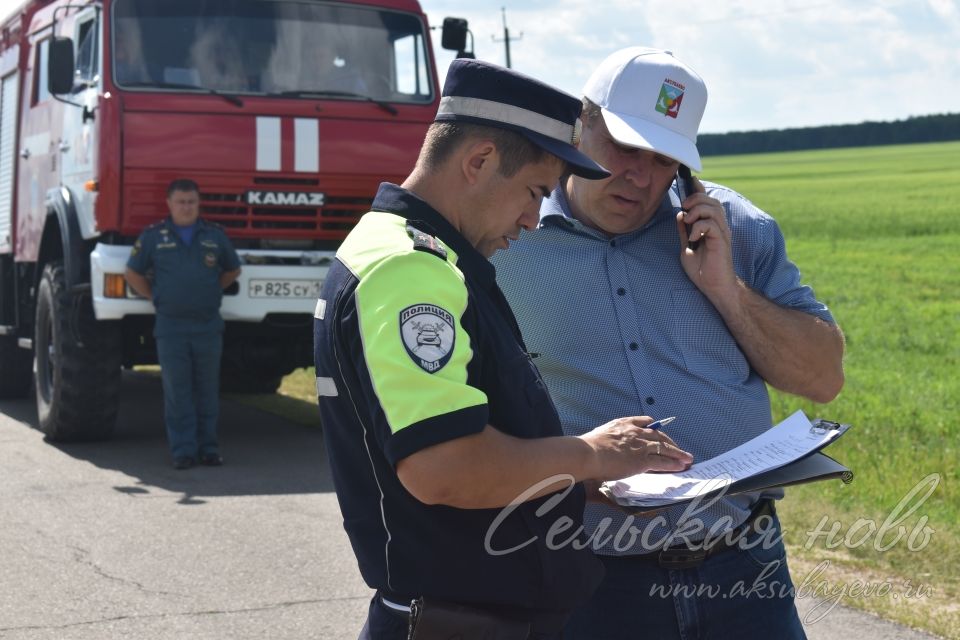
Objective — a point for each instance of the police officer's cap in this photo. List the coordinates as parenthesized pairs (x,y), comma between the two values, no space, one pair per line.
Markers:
(484,93)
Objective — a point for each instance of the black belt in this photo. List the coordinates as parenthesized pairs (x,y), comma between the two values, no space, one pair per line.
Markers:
(683,557)
(541,622)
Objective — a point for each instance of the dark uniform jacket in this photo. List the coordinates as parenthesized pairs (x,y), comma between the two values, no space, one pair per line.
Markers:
(186,278)
(415,345)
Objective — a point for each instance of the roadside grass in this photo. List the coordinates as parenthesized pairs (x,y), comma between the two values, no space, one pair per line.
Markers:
(875,233)
(295,400)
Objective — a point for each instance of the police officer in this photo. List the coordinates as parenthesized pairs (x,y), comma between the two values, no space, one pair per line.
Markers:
(453,478)
(191,261)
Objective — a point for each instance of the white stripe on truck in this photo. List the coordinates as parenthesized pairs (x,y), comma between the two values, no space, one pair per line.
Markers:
(306,145)
(268,144)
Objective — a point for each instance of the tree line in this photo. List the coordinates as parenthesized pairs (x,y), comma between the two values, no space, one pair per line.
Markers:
(933,128)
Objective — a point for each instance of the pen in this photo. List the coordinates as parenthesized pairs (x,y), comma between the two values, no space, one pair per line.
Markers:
(662,422)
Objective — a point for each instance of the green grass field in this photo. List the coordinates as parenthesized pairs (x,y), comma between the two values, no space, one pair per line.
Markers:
(875,232)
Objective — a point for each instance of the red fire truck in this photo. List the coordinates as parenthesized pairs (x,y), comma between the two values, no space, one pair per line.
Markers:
(288,113)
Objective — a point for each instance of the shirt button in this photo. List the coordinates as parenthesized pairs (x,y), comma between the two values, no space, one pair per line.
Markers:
(650,400)
(634,346)
(621,291)
(613,243)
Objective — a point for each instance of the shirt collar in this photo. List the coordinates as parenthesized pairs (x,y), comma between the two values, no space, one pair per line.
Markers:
(397,200)
(198,223)
(556,206)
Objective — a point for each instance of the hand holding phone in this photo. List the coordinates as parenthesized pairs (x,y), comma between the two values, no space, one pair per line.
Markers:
(685,182)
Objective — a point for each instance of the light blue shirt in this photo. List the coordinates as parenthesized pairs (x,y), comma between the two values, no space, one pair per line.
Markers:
(619,329)
(185,232)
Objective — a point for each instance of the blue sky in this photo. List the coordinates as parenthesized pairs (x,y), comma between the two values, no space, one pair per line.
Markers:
(768,64)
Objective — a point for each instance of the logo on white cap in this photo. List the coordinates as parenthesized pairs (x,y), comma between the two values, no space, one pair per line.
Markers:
(671,95)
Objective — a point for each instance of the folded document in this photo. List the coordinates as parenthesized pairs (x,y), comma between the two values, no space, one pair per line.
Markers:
(784,454)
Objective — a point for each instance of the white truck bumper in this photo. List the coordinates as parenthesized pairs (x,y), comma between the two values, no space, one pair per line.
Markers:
(264,288)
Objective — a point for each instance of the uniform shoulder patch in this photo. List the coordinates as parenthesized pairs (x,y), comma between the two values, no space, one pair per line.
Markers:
(428,333)
(424,240)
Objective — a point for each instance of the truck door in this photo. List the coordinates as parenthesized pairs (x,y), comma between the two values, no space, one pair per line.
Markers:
(77,147)
(9,94)
(38,158)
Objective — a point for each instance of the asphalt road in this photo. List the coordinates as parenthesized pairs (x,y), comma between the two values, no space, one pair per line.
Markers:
(105,540)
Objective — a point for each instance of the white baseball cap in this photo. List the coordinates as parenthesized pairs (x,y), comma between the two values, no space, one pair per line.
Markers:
(650,100)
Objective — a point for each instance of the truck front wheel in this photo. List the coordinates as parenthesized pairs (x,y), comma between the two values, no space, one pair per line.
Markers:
(77,363)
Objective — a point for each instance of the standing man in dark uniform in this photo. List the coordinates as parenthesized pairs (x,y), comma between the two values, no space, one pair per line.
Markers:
(192,262)
(453,476)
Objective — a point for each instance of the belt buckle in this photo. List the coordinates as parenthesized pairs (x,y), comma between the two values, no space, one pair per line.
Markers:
(681,558)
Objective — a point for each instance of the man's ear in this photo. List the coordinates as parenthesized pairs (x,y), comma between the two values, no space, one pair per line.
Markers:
(480,158)
(578,126)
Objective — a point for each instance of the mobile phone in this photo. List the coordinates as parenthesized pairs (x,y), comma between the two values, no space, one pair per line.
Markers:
(685,182)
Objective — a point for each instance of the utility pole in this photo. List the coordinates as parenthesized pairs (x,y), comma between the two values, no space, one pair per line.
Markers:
(506,36)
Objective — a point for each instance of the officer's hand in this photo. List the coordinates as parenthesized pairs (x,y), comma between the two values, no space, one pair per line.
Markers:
(624,447)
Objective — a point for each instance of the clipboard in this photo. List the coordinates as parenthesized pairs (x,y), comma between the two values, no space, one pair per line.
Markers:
(813,467)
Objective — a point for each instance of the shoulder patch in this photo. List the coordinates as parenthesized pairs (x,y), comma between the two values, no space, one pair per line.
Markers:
(423,241)
(428,333)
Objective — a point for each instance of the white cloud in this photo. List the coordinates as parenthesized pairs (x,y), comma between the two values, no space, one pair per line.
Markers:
(946,9)
(768,64)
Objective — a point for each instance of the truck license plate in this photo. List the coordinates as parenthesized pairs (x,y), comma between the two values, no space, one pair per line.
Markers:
(263,288)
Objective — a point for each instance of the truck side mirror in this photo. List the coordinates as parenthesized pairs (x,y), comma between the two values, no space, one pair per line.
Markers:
(60,66)
(454,34)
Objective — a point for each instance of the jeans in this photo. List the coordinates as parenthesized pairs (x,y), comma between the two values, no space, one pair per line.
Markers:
(190,370)
(737,593)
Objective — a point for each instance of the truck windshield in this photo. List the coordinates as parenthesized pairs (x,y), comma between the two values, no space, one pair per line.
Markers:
(292,49)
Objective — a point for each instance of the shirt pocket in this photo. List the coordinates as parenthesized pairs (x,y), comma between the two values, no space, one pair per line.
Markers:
(520,404)
(210,252)
(708,349)
(166,262)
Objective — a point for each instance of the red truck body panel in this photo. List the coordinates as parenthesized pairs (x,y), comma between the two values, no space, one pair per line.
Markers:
(142,139)
(219,150)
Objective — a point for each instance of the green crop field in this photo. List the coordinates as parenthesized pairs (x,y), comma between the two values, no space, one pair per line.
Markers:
(875,232)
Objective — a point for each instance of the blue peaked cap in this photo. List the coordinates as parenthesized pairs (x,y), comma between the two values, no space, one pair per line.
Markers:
(484,93)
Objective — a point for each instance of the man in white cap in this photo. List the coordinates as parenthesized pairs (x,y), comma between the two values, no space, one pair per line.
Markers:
(667,299)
